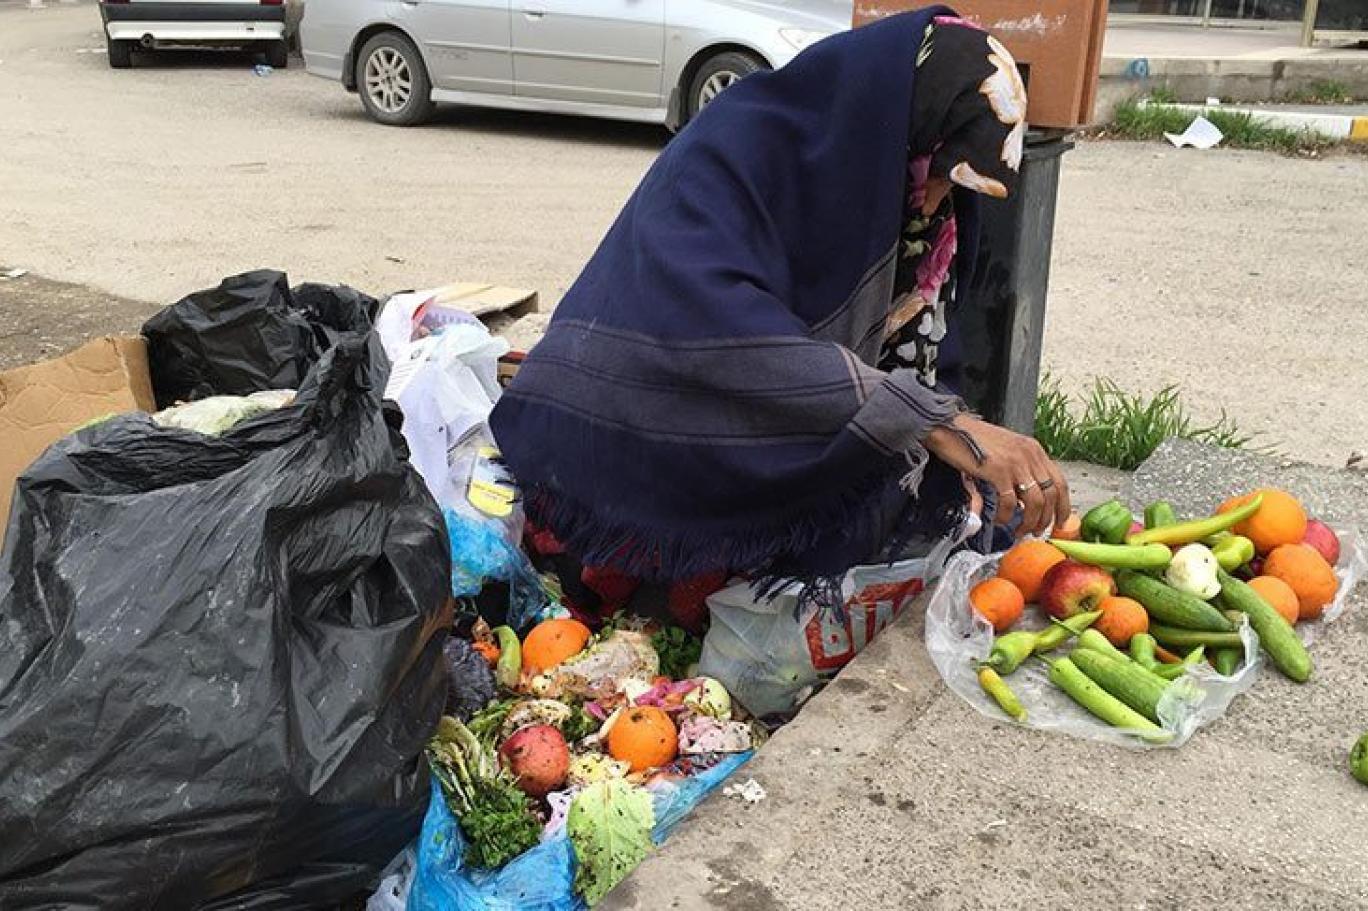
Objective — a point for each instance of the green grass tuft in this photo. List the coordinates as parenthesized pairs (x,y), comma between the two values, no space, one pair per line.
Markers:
(1120,429)
(1323,91)
(1134,120)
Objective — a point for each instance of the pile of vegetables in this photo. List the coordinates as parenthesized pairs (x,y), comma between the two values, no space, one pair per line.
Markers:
(1142,605)
(565,730)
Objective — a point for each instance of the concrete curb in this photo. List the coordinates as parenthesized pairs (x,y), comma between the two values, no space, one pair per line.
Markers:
(1343,127)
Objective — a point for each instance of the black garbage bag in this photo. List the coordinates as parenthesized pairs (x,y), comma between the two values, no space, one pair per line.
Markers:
(250,333)
(220,657)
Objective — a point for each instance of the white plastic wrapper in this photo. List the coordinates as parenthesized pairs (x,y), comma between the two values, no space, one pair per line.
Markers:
(959,639)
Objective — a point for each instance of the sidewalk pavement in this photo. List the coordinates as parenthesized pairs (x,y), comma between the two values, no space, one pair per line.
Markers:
(1232,64)
(889,792)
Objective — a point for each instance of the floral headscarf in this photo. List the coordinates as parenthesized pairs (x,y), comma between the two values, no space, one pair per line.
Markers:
(972,99)
(969,109)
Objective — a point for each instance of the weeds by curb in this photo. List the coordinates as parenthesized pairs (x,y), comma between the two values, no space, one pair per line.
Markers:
(1135,119)
(1120,429)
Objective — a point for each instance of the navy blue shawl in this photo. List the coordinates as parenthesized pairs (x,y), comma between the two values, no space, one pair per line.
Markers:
(705,397)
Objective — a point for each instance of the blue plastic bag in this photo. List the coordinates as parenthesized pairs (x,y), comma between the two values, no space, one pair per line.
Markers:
(541,878)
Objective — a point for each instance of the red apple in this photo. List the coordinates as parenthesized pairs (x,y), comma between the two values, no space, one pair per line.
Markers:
(1136,528)
(1323,539)
(1074,588)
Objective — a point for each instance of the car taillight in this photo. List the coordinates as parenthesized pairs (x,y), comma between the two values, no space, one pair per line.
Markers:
(272,2)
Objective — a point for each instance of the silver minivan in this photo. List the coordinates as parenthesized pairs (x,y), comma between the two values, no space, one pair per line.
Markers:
(655,61)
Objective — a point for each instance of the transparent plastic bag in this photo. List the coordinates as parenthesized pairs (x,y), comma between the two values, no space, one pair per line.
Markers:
(958,639)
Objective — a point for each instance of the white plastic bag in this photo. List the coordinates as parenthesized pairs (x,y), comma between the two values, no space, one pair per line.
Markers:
(218,414)
(771,654)
(958,639)
(395,882)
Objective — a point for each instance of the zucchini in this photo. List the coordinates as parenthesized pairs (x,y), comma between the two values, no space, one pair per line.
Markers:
(1186,639)
(1276,635)
(1099,644)
(1079,687)
(1125,680)
(1170,606)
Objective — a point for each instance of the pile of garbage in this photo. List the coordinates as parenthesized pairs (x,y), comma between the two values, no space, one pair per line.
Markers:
(274,629)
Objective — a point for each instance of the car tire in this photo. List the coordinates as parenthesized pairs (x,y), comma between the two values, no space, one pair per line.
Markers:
(120,53)
(386,63)
(278,54)
(715,75)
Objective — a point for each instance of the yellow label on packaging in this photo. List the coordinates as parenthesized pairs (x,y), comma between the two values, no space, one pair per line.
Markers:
(489,491)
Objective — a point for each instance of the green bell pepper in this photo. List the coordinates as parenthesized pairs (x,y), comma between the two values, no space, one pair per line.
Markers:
(1107,523)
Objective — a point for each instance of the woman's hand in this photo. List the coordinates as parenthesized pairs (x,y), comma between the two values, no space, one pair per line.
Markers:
(1015,465)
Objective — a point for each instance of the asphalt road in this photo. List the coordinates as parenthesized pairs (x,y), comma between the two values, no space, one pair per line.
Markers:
(1239,275)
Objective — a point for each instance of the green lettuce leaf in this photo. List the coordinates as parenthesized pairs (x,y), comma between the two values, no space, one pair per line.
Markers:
(610,828)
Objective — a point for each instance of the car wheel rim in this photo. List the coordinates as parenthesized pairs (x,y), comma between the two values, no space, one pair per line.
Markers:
(389,81)
(715,85)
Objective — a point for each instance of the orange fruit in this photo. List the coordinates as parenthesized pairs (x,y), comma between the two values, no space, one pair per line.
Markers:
(644,737)
(1071,529)
(1026,564)
(1280,520)
(999,601)
(1121,619)
(1307,573)
(551,642)
(1279,594)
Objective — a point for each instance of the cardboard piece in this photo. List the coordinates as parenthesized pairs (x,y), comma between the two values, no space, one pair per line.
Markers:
(43,402)
(1057,43)
(485,300)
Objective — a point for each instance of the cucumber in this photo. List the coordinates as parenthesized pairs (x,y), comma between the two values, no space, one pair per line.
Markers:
(1170,606)
(1079,687)
(1125,680)
(1276,635)
(1185,639)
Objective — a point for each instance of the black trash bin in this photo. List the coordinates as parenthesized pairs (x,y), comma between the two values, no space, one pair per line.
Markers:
(997,327)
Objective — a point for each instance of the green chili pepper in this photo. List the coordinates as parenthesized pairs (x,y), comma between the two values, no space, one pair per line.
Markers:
(1002,694)
(1010,650)
(508,670)
(1116,556)
(1232,552)
(1197,529)
(1160,513)
(1174,671)
(1106,523)
(1226,661)
(1092,640)
(1142,651)
(1358,760)
(1063,630)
